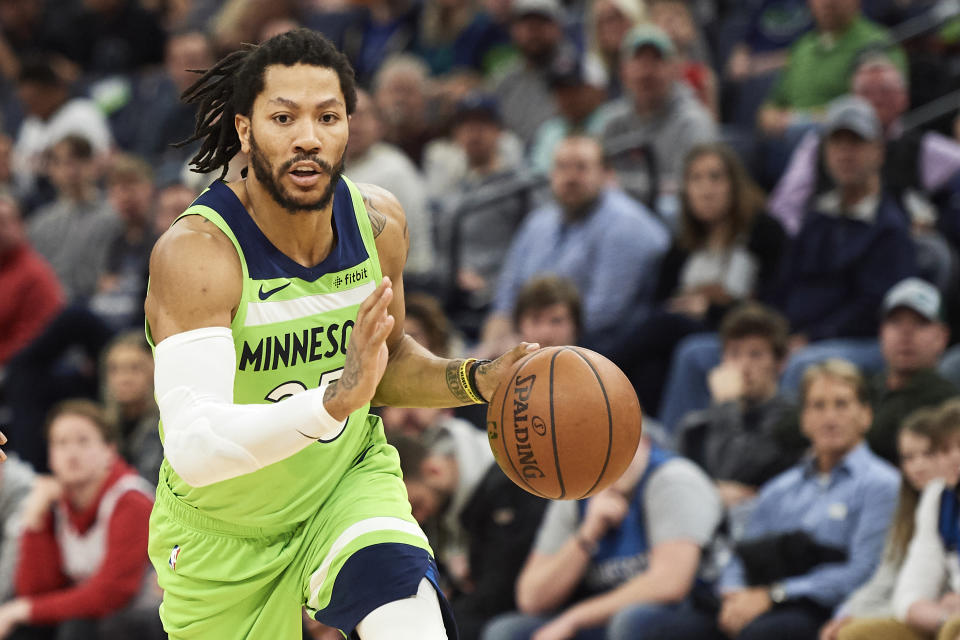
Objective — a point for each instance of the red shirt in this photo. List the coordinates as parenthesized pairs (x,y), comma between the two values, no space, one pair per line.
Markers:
(40,574)
(31,296)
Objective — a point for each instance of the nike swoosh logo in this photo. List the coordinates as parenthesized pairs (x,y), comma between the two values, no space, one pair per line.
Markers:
(266,294)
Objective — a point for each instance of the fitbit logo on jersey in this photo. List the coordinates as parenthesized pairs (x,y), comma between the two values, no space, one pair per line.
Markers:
(351,278)
(355,276)
(526,460)
(274,352)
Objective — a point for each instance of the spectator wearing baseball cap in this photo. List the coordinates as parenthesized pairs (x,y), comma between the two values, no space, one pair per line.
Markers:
(480,214)
(913,337)
(853,114)
(921,167)
(854,244)
(522,92)
(816,72)
(579,87)
(658,114)
(676,18)
(606,23)
(818,66)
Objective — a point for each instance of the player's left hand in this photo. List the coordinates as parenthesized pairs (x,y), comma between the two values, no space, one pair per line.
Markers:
(560,628)
(3,440)
(489,375)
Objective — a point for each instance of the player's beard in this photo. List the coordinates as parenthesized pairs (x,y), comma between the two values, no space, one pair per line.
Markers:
(270,179)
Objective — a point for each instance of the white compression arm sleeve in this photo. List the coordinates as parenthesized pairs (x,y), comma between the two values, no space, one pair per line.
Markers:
(208,438)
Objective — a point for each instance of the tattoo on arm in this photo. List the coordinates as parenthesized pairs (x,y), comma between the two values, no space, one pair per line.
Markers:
(331,391)
(347,380)
(377,220)
(453,382)
(351,371)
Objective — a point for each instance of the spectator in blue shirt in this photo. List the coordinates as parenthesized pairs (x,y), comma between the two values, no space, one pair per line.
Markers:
(816,531)
(606,242)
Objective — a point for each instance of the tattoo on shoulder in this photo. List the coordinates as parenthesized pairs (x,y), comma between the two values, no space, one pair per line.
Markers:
(453,382)
(377,220)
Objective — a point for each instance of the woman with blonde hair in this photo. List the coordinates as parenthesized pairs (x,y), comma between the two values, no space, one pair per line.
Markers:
(607,23)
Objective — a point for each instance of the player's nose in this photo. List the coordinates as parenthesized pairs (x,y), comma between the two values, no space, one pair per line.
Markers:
(307,138)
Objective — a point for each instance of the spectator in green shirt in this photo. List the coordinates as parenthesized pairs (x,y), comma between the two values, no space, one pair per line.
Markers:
(820,62)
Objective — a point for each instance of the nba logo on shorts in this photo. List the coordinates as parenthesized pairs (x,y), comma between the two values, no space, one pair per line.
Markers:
(173,557)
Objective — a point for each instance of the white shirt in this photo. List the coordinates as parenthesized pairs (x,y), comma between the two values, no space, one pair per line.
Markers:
(929,570)
(78,116)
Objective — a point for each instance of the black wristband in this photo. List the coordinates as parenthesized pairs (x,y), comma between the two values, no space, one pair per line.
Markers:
(472,377)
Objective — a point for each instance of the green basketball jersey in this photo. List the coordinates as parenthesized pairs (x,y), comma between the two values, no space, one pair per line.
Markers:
(291,332)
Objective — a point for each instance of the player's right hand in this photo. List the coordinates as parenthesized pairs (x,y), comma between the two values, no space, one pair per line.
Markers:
(367,355)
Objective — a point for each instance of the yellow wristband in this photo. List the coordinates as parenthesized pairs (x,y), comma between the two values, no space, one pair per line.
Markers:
(465,380)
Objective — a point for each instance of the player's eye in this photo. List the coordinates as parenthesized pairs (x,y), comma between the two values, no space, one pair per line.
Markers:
(328,118)
(283,119)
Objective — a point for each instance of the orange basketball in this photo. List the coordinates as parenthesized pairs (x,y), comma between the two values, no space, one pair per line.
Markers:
(565,423)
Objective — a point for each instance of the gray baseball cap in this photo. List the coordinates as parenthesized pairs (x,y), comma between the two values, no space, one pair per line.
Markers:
(917,295)
(546,8)
(852,113)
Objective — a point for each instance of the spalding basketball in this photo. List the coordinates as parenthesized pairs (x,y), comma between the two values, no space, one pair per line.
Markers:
(565,423)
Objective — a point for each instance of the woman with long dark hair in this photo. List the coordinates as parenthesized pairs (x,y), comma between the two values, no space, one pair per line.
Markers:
(926,599)
(727,250)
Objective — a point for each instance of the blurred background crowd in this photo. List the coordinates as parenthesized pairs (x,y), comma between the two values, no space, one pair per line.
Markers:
(751,206)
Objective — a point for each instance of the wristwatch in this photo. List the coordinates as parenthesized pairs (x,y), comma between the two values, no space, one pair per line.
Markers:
(778,595)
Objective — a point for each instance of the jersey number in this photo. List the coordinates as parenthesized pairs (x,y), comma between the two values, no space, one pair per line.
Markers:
(287,389)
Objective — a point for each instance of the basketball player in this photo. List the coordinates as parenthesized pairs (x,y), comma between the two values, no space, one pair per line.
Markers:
(276,310)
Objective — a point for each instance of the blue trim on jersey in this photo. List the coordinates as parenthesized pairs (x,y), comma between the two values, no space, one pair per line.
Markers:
(949,522)
(265,261)
(377,575)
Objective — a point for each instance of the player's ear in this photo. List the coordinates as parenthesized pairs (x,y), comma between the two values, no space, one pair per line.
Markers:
(242,123)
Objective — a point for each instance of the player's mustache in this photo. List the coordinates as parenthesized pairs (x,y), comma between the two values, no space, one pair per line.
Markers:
(305,157)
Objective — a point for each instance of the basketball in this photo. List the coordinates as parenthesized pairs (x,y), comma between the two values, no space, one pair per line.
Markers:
(565,423)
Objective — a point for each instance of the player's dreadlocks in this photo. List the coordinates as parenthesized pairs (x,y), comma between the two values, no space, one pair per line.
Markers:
(232,84)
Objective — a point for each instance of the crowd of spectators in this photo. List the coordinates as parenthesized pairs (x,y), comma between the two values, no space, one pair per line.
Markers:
(751,206)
